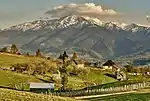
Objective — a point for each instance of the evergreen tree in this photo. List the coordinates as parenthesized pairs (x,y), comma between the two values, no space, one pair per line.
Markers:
(64,73)
(28,54)
(65,54)
(63,57)
(14,49)
(38,53)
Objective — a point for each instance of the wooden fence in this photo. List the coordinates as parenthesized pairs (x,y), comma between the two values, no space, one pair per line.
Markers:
(129,87)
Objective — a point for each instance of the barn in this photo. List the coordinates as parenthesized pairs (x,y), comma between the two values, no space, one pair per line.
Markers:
(41,87)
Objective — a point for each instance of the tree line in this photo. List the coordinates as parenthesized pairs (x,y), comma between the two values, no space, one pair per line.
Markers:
(14,50)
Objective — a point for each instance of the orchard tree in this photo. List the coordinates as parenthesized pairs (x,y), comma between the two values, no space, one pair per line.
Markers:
(14,49)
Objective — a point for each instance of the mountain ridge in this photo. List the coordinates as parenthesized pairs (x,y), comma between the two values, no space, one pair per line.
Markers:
(97,38)
(72,20)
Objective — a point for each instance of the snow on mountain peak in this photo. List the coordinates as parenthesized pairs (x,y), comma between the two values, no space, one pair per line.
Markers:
(35,25)
(136,27)
(107,24)
(78,21)
(71,20)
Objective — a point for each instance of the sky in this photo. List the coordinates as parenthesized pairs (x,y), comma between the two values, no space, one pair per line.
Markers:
(13,12)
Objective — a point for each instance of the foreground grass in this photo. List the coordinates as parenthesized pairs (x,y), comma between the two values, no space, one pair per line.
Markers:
(124,97)
(12,95)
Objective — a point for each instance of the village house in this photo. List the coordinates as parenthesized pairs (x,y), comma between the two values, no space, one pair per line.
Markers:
(116,70)
(41,87)
(108,65)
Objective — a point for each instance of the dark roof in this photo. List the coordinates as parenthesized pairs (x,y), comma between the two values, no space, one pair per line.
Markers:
(109,63)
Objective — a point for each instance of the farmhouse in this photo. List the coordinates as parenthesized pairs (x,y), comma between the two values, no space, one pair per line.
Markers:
(40,87)
(108,65)
(118,74)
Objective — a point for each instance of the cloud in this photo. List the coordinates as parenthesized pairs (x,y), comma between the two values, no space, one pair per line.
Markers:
(87,9)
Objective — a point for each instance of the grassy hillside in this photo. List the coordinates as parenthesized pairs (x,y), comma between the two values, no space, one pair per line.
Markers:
(10,79)
(12,95)
(124,97)
(97,76)
(77,82)
(10,59)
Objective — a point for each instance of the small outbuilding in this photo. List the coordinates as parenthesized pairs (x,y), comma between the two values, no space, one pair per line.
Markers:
(41,87)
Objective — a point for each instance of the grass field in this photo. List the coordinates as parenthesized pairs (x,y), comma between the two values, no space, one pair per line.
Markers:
(12,95)
(10,79)
(10,59)
(97,76)
(94,77)
(124,97)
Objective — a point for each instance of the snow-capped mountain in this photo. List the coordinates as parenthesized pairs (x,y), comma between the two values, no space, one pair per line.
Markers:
(35,25)
(88,36)
(52,24)
(74,20)
(136,28)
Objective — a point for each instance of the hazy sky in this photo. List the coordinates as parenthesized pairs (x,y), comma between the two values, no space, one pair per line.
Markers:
(17,11)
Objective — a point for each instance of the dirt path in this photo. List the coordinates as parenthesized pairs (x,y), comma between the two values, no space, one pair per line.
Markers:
(94,96)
